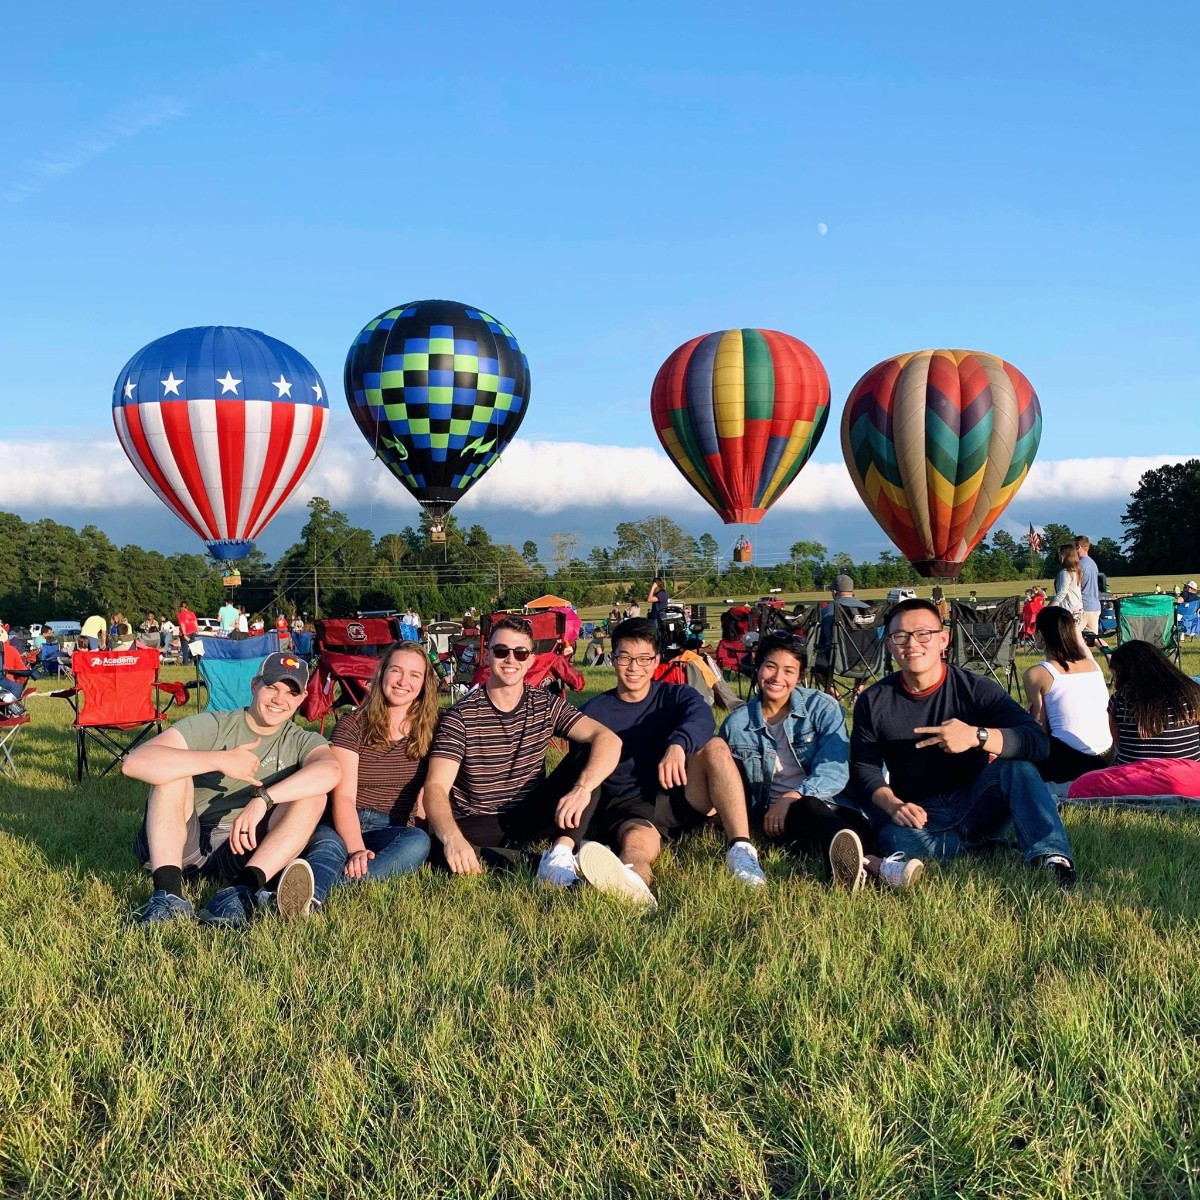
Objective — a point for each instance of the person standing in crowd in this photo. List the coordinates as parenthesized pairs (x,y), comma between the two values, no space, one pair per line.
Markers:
(1089,587)
(1068,583)
(189,628)
(243,621)
(166,634)
(1068,694)
(93,634)
(227,618)
(946,757)
(657,602)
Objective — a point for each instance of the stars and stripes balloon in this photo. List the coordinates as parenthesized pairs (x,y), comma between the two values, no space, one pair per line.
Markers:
(937,443)
(223,424)
(739,413)
(438,389)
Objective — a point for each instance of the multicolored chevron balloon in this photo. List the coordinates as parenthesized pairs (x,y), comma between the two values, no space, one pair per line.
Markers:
(739,413)
(937,443)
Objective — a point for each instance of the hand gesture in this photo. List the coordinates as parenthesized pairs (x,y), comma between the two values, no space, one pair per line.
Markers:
(953,736)
(672,771)
(460,856)
(777,814)
(571,807)
(356,863)
(241,762)
(243,835)
(911,816)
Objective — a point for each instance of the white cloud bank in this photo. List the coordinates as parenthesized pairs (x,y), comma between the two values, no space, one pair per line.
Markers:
(535,477)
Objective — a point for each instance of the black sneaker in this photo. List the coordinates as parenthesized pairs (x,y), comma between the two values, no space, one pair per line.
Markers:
(1058,865)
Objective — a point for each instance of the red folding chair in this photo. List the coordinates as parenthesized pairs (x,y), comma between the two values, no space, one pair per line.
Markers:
(348,654)
(116,699)
(9,728)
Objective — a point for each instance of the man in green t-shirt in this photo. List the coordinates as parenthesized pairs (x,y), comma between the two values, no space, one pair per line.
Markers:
(235,795)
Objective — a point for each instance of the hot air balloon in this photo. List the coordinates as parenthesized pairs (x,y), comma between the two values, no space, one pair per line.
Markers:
(438,389)
(937,443)
(739,413)
(223,424)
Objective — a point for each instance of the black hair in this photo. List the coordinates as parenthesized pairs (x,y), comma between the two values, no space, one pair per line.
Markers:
(1155,693)
(912,604)
(1060,634)
(634,629)
(779,639)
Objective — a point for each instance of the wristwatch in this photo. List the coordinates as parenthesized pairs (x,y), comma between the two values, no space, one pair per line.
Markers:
(261,793)
(982,734)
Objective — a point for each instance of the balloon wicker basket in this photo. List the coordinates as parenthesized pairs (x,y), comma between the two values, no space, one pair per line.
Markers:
(742,554)
(233,579)
(437,535)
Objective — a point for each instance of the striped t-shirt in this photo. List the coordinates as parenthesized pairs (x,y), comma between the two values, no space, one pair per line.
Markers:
(1181,741)
(388,780)
(501,755)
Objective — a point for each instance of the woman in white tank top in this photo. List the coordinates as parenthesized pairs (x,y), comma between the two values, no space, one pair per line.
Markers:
(1068,694)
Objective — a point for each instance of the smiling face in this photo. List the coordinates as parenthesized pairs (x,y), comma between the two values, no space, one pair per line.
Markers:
(402,678)
(917,659)
(506,671)
(634,660)
(778,677)
(273,704)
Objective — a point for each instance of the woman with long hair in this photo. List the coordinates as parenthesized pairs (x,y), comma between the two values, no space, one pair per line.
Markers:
(382,748)
(1068,583)
(792,751)
(1155,718)
(1068,694)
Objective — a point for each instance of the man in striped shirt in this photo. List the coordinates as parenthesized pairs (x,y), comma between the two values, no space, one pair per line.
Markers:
(486,791)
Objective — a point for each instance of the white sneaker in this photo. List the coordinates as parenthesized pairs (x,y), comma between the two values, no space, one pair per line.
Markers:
(294,895)
(608,874)
(742,859)
(846,860)
(557,867)
(899,872)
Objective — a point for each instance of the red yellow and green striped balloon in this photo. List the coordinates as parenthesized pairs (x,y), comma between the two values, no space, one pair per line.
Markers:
(937,443)
(739,412)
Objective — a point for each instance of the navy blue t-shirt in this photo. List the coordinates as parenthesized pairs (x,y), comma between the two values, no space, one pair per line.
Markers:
(672,714)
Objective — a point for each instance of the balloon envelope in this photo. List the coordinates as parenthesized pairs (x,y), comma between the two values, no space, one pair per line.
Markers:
(438,389)
(739,412)
(223,424)
(937,443)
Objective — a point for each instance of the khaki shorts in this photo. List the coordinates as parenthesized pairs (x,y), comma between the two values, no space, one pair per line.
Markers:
(1089,622)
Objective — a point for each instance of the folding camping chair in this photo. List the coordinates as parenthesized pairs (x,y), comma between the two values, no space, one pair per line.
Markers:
(1188,617)
(1149,618)
(227,665)
(116,699)
(983,639)
(348,654)
(10,727)
(856,655)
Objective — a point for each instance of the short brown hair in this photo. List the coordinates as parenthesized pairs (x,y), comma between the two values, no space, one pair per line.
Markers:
(1082,542)
(513,625)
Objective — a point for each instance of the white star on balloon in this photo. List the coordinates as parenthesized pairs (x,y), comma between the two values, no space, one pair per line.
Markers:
(285,388)
(129,386)
(229,384)
(171,385)
(316,387)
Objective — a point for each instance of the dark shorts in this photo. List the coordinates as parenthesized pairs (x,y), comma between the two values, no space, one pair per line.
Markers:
(668,812)
(205,849)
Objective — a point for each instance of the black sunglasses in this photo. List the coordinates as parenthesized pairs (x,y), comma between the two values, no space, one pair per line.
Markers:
(520,653)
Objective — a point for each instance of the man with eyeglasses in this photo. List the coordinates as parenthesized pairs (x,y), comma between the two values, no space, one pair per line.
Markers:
(958,753)
(486,792)
(673,772)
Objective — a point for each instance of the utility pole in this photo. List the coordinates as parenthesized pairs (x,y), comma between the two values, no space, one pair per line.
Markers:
(316,606)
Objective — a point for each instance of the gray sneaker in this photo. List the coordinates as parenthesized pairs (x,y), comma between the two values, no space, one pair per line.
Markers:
(899,872)
(294,895)
(846,860)
(162,908)
(230,908)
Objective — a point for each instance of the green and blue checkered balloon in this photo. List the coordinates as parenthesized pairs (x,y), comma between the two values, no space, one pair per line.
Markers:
(438,389)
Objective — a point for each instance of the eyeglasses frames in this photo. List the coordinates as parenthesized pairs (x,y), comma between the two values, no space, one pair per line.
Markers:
(643,660)
(922,637)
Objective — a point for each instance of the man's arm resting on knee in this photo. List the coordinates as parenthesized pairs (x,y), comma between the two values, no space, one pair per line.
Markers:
(457,851)
(166,758)
(318,775)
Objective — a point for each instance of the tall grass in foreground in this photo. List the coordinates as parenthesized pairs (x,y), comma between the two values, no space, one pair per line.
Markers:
(987,1035)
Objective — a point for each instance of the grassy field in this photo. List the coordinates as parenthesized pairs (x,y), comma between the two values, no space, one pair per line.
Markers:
(987,1035)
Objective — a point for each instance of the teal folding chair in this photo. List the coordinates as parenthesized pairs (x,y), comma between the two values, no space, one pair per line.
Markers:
(229,664)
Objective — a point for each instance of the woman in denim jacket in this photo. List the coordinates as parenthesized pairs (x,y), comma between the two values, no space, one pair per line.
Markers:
(792,750)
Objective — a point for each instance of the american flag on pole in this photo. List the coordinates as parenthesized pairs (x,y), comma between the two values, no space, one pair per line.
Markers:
(1035,541)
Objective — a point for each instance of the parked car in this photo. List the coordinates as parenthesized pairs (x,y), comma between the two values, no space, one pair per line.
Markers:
(898,594)
(208,626)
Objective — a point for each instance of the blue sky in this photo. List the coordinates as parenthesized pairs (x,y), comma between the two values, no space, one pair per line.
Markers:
(609,180)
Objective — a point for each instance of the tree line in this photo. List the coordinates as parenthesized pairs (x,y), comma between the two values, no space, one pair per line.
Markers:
(49,570)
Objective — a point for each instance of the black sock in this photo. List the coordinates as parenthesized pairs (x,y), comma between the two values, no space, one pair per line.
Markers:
(252,878)
(734,841)
(168,879)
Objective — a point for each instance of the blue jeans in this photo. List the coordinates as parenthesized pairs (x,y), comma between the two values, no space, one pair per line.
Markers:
(398,849)
(1007,792)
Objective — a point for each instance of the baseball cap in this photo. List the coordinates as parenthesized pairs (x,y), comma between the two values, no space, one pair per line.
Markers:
(1192,584)
(843,583)
(285,666)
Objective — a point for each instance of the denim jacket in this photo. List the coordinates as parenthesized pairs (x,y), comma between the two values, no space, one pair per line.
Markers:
(816,727)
